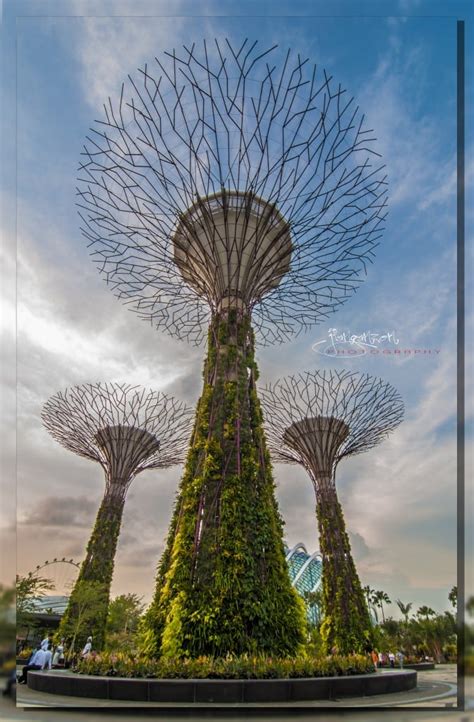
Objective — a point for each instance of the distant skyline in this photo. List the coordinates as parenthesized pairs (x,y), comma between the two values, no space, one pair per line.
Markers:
(399,498)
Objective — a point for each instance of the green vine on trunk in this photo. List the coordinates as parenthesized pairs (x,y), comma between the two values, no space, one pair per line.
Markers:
(346,628)
(95,574)
(222,584)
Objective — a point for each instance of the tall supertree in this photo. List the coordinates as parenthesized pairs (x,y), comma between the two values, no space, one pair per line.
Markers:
(232,186)
(316,420)
(126,429)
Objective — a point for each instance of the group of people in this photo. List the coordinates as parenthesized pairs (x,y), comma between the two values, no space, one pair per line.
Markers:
(43,657)
(387,660)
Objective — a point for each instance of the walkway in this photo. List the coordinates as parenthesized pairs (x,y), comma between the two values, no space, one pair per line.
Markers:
(436,689)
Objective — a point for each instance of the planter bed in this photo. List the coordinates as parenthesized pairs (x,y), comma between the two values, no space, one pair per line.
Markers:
(221,690)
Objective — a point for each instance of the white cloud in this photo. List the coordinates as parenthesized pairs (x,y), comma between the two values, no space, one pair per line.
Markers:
(421,169)
(111,48)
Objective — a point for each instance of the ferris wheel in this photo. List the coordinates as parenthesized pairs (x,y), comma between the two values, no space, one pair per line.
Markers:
(62,574)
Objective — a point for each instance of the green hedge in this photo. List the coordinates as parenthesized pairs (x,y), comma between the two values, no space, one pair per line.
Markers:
(230,667)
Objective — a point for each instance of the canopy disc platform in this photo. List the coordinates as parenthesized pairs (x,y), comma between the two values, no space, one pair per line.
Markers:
(232,248)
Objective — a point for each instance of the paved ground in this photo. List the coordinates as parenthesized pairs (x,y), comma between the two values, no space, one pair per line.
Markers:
(434,699)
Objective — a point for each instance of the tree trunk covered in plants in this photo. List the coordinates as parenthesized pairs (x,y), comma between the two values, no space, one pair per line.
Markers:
(97,567)
(346,625)
(222,584)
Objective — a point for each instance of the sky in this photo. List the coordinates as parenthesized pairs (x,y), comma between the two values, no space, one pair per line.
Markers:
(62,326)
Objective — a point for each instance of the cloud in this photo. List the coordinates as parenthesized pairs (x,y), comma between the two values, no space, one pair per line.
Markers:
(359,546)
(142,555)
(67,511)
(421,168)
(110,48)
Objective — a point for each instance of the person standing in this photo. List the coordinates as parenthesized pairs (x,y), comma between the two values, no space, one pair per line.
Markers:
(58,657)
(87,649)
(391,659)
(47,642)
(375,658)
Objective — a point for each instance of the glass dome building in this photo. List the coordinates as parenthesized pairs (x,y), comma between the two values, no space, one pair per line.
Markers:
(306,574)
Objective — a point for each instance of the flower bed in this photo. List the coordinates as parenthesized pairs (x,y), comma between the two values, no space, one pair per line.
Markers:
(243,667)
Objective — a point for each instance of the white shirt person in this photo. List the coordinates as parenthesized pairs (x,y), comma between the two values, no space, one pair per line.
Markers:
(87,649)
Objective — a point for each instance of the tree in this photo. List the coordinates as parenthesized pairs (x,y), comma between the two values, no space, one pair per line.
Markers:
(7,619)
(368,591)
(379,598)
(426,612)
(84,606)
(404,609)
(124,614)
(453,596)
(28,589)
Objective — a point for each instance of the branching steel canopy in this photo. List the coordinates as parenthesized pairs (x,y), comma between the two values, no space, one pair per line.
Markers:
(232,176)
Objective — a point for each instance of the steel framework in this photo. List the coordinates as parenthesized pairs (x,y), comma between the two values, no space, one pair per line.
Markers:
(317,419)
(232,172)
(231,187)
(126,429)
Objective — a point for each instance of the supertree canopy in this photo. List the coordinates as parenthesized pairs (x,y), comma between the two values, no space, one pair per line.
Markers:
(126,429)
(317,419)
(232,173)
(230,187)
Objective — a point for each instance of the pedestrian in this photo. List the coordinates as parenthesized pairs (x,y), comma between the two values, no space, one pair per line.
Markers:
(391,659)
(41,660)
(375,658)
(400,657)
(47,641)
(380,659)
(58,657)
(87,649)
(11,681)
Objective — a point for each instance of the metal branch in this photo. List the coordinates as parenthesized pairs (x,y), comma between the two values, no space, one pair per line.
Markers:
(125,428)
(234,173)
(317,418)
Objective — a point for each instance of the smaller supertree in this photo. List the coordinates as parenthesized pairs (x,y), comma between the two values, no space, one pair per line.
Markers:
(126,429)
(317,419)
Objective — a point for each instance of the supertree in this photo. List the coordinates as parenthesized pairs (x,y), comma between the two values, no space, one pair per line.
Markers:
(126,429)
(316,420)
(233,186)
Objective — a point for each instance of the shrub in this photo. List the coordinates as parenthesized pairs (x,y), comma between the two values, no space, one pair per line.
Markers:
(230,667)
(25,653)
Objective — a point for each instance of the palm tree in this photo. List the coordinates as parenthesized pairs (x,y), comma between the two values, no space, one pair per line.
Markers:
(369,592)
(378,598)
(426,612)
(404,608)
(453,596)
